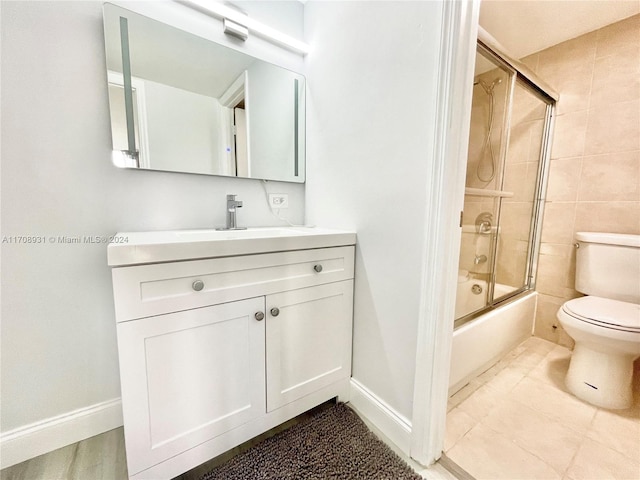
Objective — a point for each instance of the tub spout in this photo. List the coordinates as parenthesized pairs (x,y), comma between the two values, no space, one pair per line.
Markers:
(479,259)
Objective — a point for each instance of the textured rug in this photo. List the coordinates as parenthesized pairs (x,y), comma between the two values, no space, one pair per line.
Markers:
(334,443)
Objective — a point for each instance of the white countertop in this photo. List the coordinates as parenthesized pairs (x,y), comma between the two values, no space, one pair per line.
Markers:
(135,248)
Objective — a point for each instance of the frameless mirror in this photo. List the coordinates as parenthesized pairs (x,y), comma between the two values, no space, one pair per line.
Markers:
(183,103)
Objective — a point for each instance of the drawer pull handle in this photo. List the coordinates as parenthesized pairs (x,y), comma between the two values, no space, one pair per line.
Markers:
(198,285)
(317,268)
(275,311)
(259,316)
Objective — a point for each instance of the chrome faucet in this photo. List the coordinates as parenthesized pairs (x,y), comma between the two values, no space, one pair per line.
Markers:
(479,259)
(232,205)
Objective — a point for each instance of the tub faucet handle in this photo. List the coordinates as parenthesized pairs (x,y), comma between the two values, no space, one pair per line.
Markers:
(483,223)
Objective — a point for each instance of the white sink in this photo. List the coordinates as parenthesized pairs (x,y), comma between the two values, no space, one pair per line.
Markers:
(135,248)
(215,235)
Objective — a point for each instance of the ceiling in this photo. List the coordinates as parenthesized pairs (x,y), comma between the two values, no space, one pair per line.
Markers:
(528,26)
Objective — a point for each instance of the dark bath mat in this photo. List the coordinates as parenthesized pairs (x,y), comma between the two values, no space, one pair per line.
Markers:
(334,443)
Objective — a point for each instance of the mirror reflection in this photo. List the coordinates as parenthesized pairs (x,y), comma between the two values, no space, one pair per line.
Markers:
(182,103)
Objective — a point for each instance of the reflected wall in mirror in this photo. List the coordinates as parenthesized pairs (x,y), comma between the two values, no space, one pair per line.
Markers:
(182,103)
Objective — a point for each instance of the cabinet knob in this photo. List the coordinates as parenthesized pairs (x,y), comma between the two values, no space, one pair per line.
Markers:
(317,268)
(198,285)
(259,316)
(275,311)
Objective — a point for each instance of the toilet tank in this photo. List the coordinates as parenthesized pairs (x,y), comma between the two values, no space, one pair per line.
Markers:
(608,265)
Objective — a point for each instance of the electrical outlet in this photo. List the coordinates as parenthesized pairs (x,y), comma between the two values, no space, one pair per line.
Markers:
(279,200)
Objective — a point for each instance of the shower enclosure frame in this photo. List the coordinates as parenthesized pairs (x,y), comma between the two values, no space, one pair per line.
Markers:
(518,74)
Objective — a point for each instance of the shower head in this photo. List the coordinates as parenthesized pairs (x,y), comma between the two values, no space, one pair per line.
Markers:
(488,87)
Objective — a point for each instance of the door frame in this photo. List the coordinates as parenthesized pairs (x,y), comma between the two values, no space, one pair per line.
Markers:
(445,199)
(235,93)
(137,84)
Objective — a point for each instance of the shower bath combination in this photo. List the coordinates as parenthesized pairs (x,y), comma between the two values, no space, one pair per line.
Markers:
(508,140)
(507,164)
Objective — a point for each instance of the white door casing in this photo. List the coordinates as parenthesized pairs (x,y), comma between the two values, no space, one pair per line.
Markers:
(442,232)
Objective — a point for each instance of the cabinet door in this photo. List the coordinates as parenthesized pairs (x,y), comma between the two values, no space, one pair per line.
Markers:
(308,341)
(189,376)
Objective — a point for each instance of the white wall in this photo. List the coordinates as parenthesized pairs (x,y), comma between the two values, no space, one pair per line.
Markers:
(272,144)
(184,130)
(371,119)
(58,350)
(285,16)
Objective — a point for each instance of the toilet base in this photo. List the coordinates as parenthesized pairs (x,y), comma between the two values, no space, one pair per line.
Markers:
(602,379)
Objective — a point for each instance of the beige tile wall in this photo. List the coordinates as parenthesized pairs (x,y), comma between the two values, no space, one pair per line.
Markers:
(594,180)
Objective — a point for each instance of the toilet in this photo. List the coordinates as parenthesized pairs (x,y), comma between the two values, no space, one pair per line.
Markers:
(605,325)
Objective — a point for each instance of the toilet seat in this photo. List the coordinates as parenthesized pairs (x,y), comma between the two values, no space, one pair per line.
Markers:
(605,313)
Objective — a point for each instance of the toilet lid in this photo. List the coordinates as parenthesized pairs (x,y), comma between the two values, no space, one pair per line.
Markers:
(605,312)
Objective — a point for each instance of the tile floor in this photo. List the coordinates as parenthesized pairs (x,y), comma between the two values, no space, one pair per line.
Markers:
(517,421)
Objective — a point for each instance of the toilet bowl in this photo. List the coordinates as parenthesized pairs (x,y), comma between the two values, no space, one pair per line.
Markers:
(605,325)
(607,337)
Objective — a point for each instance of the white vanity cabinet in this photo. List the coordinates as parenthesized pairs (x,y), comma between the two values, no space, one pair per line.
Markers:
(215,351)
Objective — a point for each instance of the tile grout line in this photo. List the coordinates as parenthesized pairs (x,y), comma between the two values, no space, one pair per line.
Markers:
(551,419)
(634,460)
(477,422)
(581,435)
(514,441)
(540,382)
(505,367)
(573,458)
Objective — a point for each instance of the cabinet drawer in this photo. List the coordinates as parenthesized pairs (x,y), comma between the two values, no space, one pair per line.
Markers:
(147,290)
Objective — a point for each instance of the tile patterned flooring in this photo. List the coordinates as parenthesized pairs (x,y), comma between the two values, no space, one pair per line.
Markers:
(517,421)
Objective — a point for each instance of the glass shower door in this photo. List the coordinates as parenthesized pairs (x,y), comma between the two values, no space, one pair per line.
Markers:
(509,132)
(487,144)
(522,172)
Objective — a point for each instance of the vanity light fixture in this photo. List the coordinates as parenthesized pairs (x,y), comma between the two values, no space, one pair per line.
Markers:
(235,29)
(229,15)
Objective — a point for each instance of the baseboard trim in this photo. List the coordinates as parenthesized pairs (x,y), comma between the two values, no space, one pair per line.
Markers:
(37,438)
(394,426)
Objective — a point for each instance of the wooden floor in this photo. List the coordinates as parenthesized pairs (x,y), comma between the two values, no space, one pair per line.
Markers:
(97,458)
(103,457)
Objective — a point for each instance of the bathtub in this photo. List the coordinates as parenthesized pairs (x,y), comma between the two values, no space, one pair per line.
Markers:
(480,343)
(472,294)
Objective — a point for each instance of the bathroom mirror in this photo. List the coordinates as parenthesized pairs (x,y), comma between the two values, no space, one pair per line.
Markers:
(183,103)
